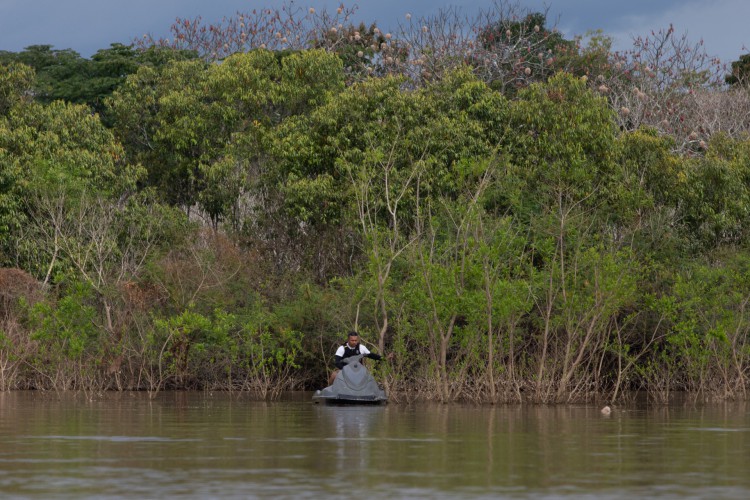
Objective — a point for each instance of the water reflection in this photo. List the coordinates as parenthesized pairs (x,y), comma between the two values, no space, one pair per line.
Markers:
(351,431)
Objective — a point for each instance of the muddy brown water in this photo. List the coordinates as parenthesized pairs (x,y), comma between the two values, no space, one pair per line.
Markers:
(202,445)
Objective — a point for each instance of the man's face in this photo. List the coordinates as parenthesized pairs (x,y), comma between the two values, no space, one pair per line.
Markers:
(353,341)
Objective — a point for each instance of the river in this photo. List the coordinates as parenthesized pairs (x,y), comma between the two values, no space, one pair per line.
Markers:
(202,445)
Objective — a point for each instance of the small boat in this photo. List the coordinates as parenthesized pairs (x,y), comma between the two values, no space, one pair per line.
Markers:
(353,385)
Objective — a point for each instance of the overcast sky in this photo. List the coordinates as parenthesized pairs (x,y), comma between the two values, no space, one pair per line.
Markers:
(89,25)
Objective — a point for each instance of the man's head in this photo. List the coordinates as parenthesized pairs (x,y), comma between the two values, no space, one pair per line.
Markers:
(352,339)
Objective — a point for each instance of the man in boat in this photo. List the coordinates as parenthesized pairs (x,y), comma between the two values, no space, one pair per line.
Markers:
(352,347)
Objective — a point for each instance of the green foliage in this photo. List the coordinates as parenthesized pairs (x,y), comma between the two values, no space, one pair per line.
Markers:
(59,72)
(179,120)
(176,341)
(707,338)
(267,350)
(49,150)
(168,124)
(15,81)
(740,71)
(65,75)
(562,147)
(376,129)
(496,246)
(308,79)
(591,59)
(650,176)
(247,351)
(519,44)
(70,341)
(716,196)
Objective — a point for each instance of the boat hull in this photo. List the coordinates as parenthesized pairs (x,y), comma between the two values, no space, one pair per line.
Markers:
(353,385)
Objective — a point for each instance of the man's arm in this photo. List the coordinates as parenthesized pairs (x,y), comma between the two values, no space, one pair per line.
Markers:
(338,361)
(338,357)
(366,352)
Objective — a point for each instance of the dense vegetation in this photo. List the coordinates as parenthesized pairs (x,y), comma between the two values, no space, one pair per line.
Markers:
(512,216)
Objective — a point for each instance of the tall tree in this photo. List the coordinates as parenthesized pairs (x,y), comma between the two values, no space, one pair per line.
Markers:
(740,71)
(65,75)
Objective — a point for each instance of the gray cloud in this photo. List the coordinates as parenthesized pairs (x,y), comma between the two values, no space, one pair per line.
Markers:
(89,25)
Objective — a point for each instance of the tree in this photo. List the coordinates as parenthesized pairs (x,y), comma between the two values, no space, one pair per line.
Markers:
(59,73)
(511,53)
(562,148)
(659,83)
(740,71)
(286,28)
(65,75)
(188,123)
(60,147)
(16,80)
